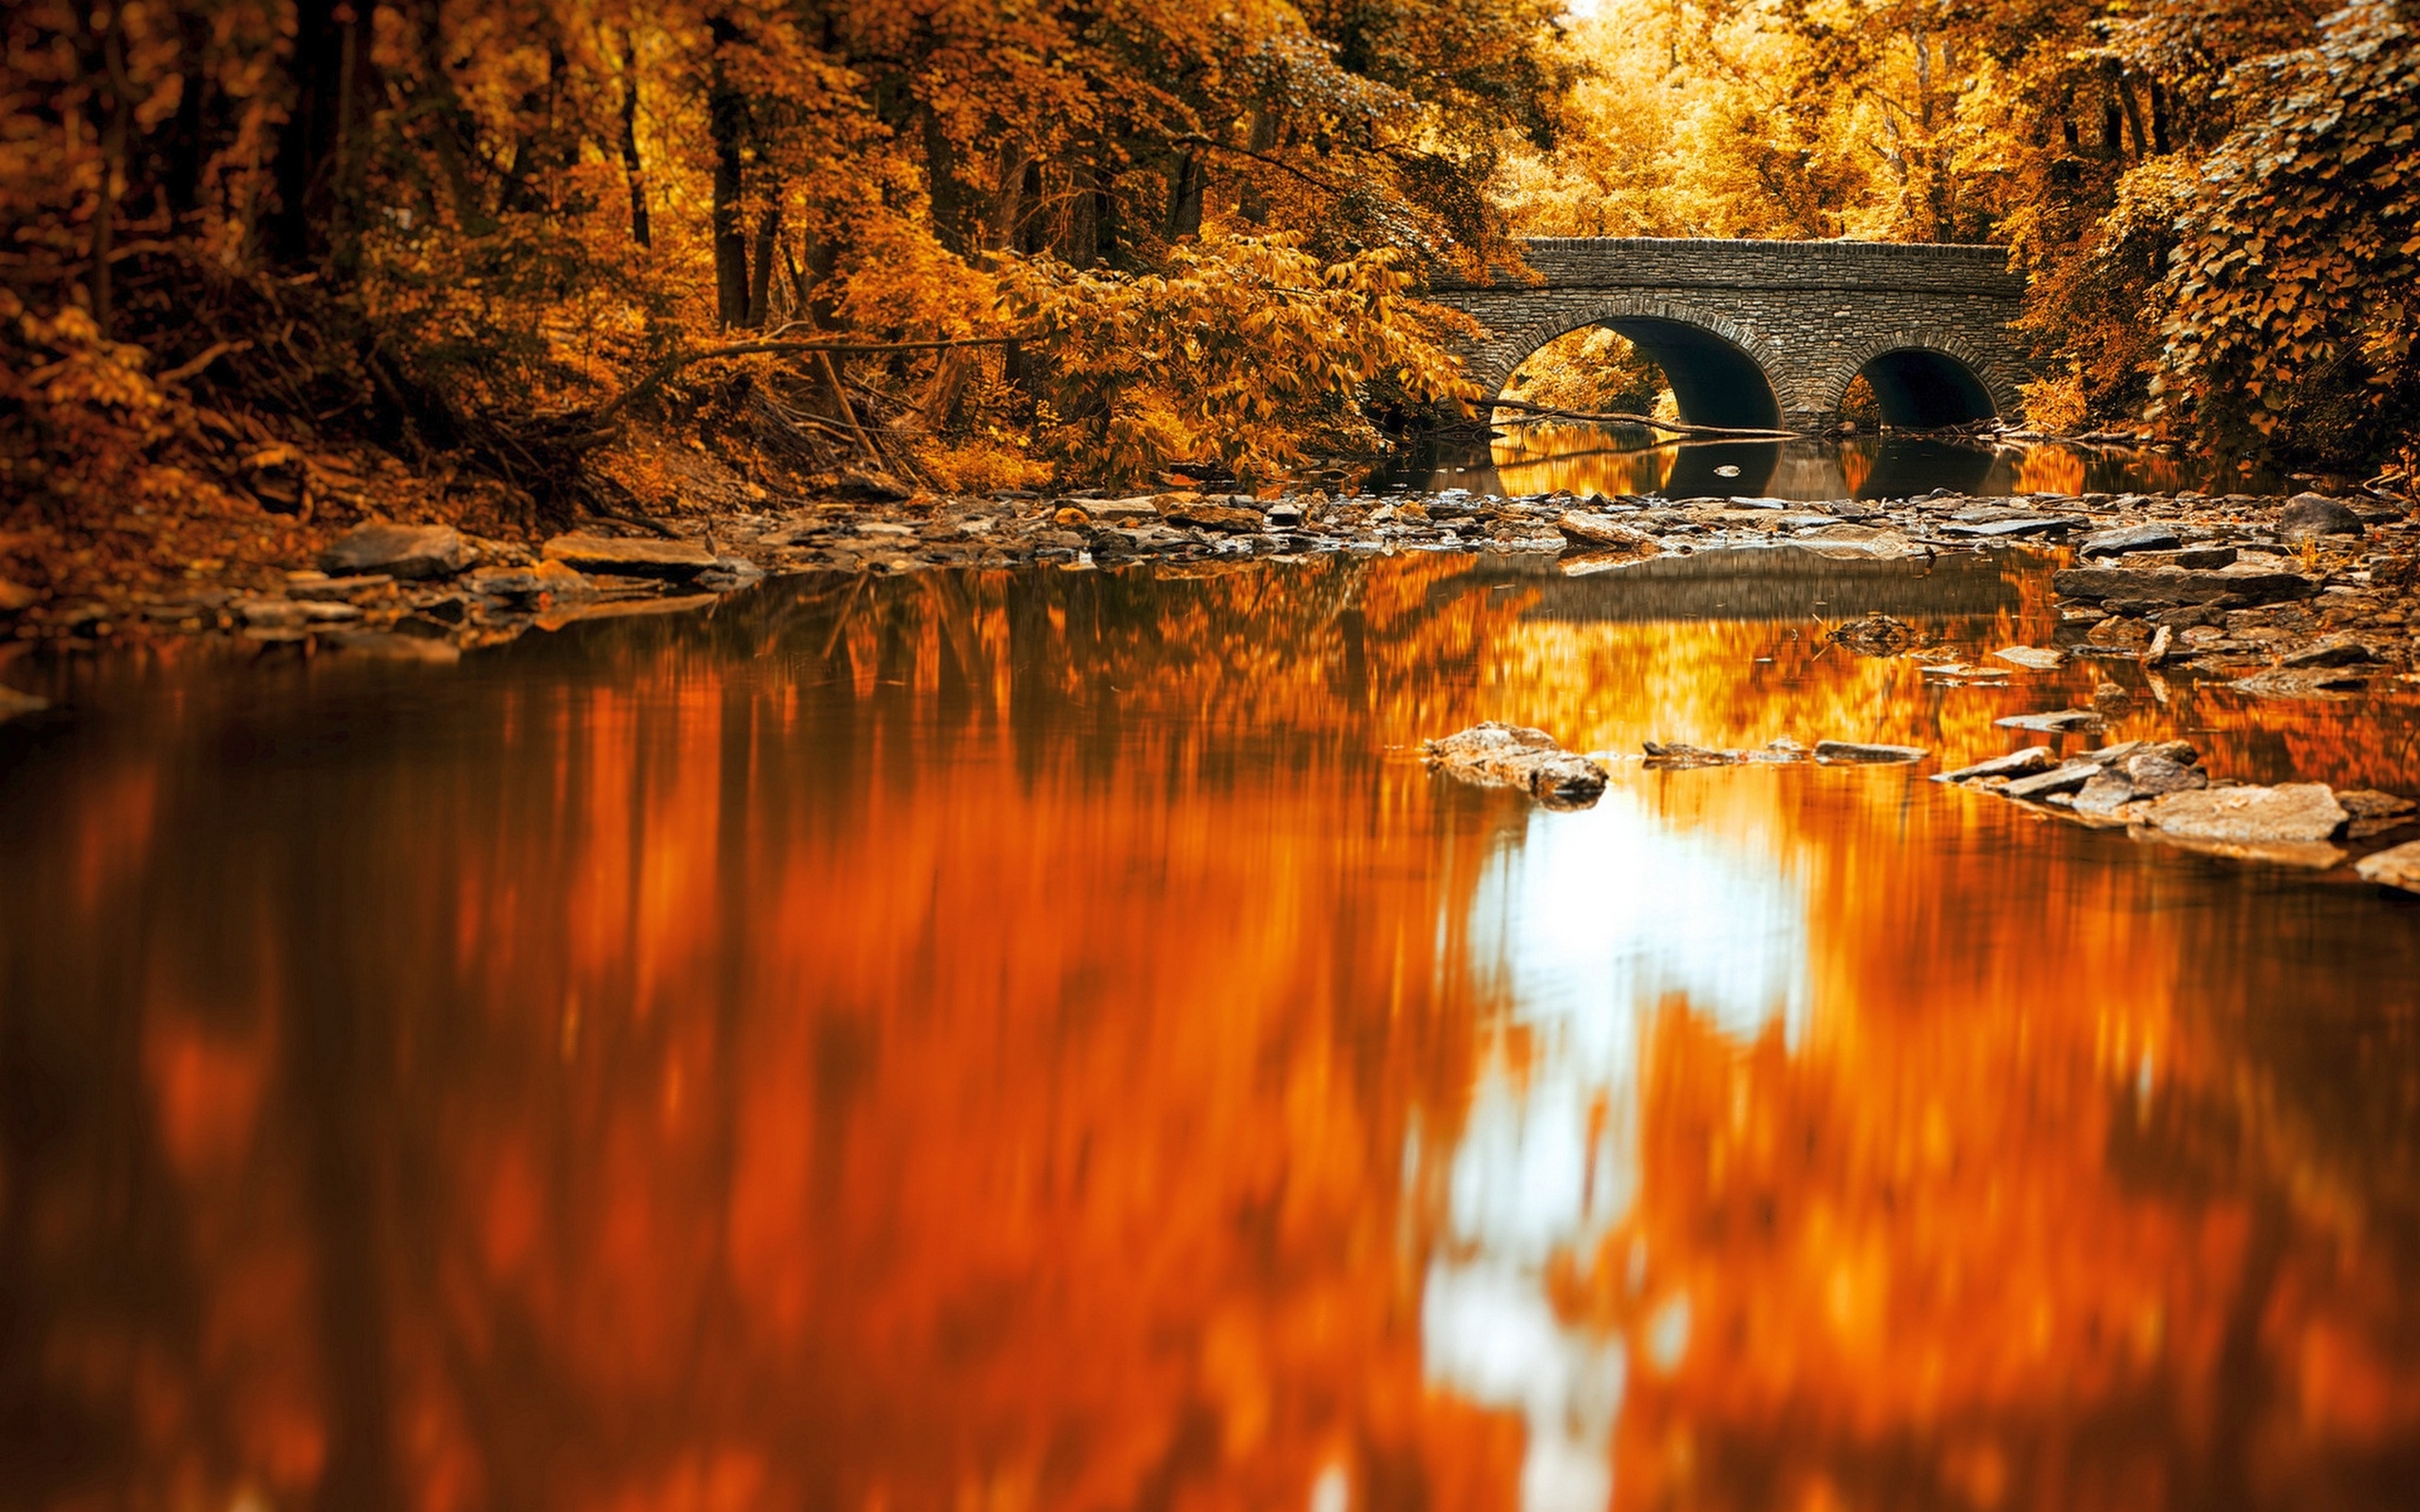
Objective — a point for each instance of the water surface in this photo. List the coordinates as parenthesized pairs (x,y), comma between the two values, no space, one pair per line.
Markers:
(1616,460)
(1039,1041)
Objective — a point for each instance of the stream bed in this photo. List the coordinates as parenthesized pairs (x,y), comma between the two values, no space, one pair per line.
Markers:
(1042,1039)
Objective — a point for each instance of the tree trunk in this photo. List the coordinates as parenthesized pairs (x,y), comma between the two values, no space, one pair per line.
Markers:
(98,283)
(2159,118)
(309,150)
(726,121)
(631,168)
(760,281)
(1185,196)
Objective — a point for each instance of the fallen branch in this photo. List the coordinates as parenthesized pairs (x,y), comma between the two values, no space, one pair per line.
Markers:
(673,364)
(1617,417)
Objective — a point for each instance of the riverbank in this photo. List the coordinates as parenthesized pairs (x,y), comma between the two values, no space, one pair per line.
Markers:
(2308,596)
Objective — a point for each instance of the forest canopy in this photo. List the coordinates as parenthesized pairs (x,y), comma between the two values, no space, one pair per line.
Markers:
(975,243)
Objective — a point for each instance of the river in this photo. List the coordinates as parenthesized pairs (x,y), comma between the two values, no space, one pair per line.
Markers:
(1042,1039)
(1618,460)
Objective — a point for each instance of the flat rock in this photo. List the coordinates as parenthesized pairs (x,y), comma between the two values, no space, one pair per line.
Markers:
(1849,752)
(2375,813)
(2035,656)
(2295,812)
(1501,755)
(1991,529)
(398,551)
(2153,775)
(2066,778)
(2252,582)
(2399,868)
(1604,532)
(2316,514)
(2015,764)
(2058,722)
(2105,792)
(2133,538)
(630,557)
(1675,754)
(2335,651)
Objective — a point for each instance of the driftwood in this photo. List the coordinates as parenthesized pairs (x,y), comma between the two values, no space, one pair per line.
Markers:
(1617,418)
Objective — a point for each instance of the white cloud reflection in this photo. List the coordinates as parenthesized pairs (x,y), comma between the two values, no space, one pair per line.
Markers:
(1592,920)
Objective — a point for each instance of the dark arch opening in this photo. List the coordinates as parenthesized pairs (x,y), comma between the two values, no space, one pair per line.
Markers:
(1923,391)
(1713,381)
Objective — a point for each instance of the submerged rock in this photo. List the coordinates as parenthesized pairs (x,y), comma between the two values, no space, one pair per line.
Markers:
(398,551)
(13,704)
(2033,658)
(2399,868)
(1501,755)
(2295,811)
(2057,722)
(1676,754)
(1847,752)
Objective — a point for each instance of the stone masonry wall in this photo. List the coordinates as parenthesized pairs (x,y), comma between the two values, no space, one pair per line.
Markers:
(1812,313)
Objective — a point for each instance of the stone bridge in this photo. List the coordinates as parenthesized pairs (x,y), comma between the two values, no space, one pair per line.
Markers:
(1769,334)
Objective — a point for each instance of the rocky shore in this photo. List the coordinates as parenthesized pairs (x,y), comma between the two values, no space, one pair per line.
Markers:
(2307,596)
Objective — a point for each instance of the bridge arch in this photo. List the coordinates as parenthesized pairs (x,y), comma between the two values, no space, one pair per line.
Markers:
(1722,373)
(1925,380)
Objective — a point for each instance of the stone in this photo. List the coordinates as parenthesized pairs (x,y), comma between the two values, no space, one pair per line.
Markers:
(270,613)
(2316,514)
(624,556)
(2058,722)
(2066,778)
(2033,658)
(1499,755)
(2399,868)
(398,551)
(320,586)
(2105,792)
(1674,754)
(2375,813)
(2131,537)
(2015,764)
(1220,517)
(1284,514)
(1993,529)
(1846,752)
(2336,651)
(2156,653)
(1604,532)
(2153,775)
(2208,558)
(2291,811)
(2110,701)
(2180,585)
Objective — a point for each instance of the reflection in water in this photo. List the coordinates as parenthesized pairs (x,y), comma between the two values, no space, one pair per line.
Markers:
(1613,459)
(1001,1042)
